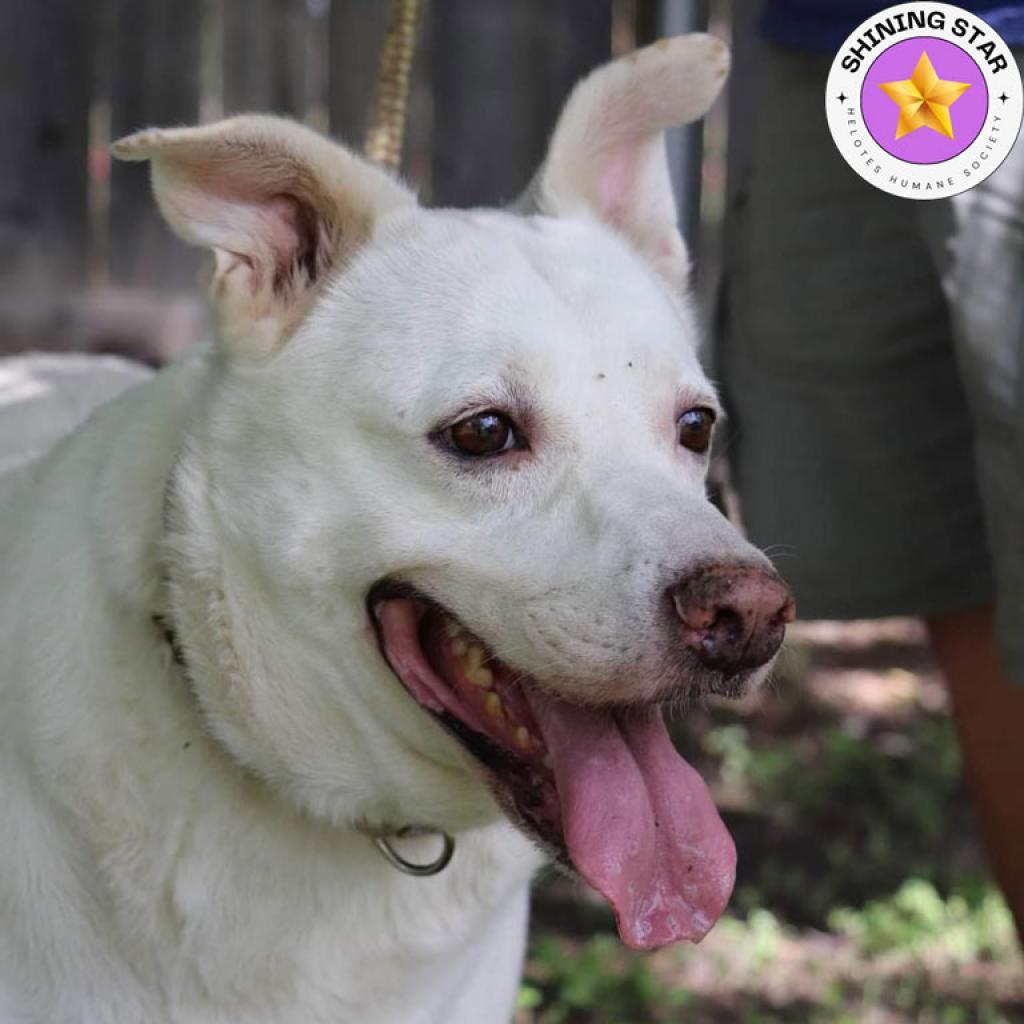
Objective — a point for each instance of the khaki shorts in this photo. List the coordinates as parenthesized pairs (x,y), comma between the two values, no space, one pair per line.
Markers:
(870,353)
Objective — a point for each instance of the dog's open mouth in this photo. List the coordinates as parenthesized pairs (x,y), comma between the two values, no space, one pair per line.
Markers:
(605,789)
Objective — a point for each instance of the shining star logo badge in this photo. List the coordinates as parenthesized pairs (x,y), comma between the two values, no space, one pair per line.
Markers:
(924,100)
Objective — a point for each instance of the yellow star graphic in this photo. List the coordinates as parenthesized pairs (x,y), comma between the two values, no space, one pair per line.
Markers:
(924,99)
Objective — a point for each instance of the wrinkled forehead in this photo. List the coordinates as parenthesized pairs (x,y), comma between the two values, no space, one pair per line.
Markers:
(475,297)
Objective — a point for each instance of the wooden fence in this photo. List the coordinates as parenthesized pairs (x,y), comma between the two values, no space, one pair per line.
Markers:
(84,257)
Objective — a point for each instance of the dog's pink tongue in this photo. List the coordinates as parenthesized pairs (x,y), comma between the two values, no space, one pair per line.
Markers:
(639,822)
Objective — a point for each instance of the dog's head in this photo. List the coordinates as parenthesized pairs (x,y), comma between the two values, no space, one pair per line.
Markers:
(440,540)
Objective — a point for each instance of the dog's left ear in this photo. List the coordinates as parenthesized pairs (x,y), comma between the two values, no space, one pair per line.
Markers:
(279,205)
(607,155)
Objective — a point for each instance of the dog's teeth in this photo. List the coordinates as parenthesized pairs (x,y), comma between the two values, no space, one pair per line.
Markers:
(522,738)
(493,706)
(481,677)
(474,659)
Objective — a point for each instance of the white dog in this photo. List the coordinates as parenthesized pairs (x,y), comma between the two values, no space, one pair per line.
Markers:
(420,543)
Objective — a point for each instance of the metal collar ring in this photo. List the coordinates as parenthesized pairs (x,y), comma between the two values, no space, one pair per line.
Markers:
(395,859)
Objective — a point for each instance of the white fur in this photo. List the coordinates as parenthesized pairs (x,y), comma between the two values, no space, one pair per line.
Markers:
(186,848)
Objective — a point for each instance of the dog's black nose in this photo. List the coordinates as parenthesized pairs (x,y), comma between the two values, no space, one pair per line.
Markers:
(733,617)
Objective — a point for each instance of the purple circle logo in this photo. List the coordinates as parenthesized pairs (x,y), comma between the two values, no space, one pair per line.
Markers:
(924,100)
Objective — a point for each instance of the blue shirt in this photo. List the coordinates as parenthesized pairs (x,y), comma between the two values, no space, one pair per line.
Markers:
(824,24)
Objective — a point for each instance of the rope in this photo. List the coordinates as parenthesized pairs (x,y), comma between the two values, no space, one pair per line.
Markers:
(387,126)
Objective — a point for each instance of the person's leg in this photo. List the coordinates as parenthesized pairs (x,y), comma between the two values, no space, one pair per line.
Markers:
(989,712)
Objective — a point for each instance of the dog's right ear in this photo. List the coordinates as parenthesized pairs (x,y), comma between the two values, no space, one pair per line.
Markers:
(279,205)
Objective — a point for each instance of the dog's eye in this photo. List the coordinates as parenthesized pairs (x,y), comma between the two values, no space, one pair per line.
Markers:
(694,429)
(484,433)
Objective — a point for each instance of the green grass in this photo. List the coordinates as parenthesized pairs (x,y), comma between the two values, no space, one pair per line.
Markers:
(597,982)
(970,925)
(923,935)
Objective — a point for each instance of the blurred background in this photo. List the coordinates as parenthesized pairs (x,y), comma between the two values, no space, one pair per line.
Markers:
(862,894)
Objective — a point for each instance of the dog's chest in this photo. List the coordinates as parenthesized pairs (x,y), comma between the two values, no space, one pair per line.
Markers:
(222,921)
(347,937)
(342,974)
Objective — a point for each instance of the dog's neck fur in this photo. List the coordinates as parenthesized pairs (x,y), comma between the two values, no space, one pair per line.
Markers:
(168,868)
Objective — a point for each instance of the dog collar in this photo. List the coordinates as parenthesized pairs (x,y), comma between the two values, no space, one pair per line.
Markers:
(382,839)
